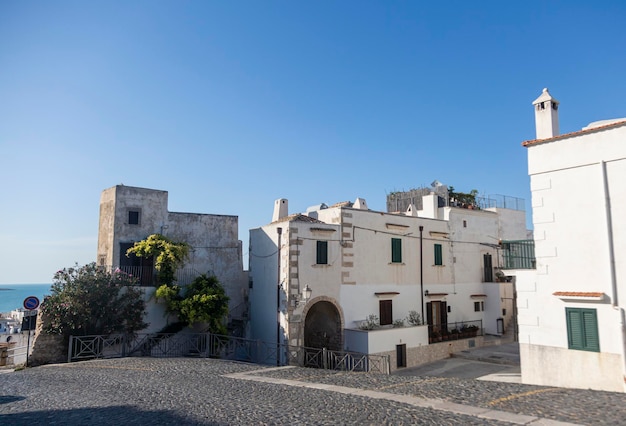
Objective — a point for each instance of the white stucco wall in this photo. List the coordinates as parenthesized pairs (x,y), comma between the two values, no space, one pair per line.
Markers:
(383,340)
(573,240)
(360,273)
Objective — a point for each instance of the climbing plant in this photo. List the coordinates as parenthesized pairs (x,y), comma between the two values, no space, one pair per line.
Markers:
(202,301)
(168,256)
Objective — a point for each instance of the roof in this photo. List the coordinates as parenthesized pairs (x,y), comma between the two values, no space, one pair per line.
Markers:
(572,134)
(298,217)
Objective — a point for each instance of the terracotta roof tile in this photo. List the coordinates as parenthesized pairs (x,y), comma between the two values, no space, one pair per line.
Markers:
(571,134)
(578,294)
(298,217)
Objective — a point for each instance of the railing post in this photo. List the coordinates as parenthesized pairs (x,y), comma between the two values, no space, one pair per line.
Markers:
(69,350)
(324,358)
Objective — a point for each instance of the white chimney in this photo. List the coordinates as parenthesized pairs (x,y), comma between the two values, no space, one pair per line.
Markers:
(281,209)
(360,204)
(546,115)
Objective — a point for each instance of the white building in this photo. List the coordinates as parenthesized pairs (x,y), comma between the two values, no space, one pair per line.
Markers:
(571,308)
(130,214)
(355,262)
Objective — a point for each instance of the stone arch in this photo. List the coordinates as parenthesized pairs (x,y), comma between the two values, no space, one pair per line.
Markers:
(323,324)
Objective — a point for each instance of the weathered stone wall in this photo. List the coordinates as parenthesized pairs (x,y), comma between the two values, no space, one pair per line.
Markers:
(46,348)
(434,352)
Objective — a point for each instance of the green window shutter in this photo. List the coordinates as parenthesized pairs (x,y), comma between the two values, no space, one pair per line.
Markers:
(322,253)
(396,250)
(590,325)
(574,329)
(438,255)
(582,329)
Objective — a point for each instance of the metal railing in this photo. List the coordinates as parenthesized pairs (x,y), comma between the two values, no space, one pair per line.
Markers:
(146,275)
(501,202)
(208,345)
(455,331)
(518,254)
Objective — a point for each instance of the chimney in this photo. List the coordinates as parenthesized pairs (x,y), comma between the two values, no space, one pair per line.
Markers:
(546,116)
(281,209)
(360,204)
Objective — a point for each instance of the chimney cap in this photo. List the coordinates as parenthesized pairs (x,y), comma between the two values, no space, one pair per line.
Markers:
(544,97)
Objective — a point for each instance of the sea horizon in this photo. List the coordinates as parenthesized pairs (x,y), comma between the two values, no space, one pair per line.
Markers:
(12,295)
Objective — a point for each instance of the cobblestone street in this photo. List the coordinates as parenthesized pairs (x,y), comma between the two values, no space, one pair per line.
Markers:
(212,392)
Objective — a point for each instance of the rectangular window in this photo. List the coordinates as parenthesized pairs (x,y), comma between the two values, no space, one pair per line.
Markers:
(322,253)
(479,306)
(438,254)
(386,315)
(133,217)
(396,250)
(582,329)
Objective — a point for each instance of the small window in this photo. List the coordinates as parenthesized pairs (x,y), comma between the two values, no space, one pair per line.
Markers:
(479,306)
(322,253)
(438,254)
(464,223)
(133,217)
(582,329)
(396,250)
(386,314)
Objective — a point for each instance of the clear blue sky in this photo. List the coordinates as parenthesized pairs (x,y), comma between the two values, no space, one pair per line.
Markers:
(231,105)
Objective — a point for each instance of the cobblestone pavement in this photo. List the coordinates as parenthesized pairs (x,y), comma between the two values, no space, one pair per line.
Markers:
(186,391)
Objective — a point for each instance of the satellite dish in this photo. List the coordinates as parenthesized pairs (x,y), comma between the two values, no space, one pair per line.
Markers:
(436,183)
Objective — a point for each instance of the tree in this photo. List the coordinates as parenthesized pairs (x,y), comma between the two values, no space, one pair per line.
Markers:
(168,256)
(89,300)
(203,301)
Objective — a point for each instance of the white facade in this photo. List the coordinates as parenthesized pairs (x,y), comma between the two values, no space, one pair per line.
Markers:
(130,214)
(578,182)
(359,274)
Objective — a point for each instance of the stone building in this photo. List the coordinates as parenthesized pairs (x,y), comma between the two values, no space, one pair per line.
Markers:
(317,277)
(130,214)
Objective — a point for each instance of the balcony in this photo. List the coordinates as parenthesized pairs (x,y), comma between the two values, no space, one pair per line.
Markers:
(455,331)
(146,276)
(518,254)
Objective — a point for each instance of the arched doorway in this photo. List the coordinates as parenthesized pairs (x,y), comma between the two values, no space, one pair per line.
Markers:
(322,327)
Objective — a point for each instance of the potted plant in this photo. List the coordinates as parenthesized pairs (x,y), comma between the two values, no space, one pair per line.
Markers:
(472,330)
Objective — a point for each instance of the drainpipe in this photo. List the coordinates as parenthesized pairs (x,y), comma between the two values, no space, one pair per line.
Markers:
(280,232)
(614,287)
(422,271)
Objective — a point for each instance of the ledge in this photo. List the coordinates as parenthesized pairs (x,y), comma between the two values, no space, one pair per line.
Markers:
(580,295)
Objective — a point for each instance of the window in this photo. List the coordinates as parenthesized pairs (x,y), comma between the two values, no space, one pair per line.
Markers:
(465,224)
(386,316)
(133,217)
(487,268)
(396,250)
(582,329)
(322,253)
(479,306)
(438,255)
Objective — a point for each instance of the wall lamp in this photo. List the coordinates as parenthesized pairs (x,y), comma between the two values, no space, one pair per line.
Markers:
(304,296)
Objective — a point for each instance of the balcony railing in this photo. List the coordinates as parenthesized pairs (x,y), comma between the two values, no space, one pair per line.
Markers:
(454,330)
(501,202)
(146,276)
(518,254)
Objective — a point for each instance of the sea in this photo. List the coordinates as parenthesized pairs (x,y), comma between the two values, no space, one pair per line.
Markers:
(12,295)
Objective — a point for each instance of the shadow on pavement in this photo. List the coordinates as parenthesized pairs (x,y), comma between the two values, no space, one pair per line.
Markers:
(119,415)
